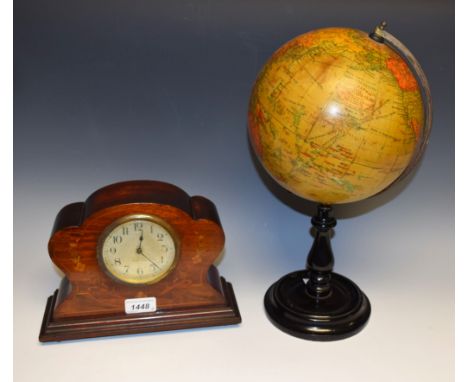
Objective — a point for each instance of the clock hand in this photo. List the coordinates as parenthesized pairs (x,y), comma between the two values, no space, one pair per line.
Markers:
(140,252)
(141,240)
(147,258)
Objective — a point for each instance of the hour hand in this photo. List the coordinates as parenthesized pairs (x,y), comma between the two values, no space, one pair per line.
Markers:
(139,250)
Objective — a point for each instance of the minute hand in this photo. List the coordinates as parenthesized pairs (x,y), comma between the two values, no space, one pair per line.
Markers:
(151,261)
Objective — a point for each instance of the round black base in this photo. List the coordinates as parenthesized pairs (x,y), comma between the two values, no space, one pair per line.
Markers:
(341,314)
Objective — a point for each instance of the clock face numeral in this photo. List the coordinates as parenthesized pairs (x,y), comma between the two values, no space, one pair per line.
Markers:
(138,226)
(138,251)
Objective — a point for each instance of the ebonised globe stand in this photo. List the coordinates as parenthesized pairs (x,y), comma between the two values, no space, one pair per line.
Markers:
(317,304)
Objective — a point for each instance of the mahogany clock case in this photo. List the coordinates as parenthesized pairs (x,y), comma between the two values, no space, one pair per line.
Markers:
(89,303)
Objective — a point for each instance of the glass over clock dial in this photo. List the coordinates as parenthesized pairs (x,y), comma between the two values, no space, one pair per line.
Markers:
(138,249)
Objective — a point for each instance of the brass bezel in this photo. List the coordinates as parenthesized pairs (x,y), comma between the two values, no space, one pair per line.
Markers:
(128,218)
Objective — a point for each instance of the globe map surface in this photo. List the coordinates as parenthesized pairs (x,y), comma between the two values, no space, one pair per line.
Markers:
(335,116)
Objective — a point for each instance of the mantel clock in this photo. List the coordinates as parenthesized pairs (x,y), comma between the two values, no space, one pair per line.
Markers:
(137,257)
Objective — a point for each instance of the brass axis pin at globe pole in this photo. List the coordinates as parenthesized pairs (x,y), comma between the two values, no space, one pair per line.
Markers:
(378,34)
(382,25)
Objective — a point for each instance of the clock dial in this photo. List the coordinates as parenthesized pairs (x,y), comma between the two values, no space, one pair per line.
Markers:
(138,250)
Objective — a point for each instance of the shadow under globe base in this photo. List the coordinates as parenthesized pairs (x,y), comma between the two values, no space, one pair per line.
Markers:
(317,304)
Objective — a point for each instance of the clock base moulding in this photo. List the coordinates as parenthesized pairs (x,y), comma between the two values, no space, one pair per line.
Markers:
(89,327)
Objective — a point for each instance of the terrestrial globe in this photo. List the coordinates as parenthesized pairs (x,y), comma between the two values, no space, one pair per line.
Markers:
(336,115)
